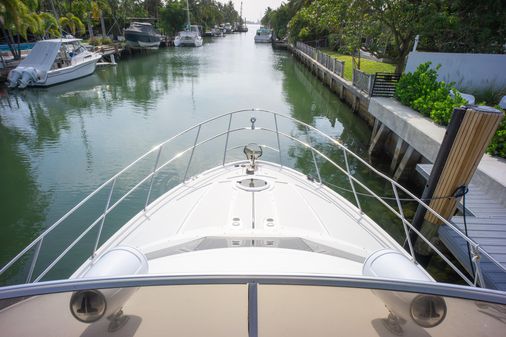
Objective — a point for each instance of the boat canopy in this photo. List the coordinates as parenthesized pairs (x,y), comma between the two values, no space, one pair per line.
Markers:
(141,27)
(43,54)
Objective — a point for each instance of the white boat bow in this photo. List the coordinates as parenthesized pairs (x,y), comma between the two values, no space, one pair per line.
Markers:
(248,247)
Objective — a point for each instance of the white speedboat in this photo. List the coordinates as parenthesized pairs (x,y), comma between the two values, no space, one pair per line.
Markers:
(250,247)
(189,38)
(263,35)
(54,61)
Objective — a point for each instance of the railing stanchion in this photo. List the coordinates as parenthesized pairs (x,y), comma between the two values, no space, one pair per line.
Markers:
(403,219)
(226,141)
(153,177)
(34,261)
(277,137)
(103,218)
(314,157)
(191,154)
(351,180)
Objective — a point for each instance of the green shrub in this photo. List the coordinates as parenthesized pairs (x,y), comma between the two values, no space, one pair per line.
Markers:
(105,40)
(423,92)
(497,146)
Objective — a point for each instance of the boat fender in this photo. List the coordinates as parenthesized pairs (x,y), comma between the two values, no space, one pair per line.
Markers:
(391,264)
(108,303)
(408,308)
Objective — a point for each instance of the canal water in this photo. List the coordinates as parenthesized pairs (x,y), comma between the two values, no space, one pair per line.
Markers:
(58,144)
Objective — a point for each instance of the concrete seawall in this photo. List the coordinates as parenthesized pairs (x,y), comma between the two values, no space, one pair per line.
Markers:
(406,135)
(357,99)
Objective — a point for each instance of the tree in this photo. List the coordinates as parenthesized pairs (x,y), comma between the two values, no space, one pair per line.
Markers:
(72,23)
(402,19)
(17,17)
(467,26)
(173,16)
(50,25)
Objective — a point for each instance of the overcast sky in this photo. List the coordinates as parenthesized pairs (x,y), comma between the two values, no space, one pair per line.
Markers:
(254,9)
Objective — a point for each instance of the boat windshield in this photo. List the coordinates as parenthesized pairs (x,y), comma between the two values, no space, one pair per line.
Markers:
(263,31)
(74,48)
(249,307)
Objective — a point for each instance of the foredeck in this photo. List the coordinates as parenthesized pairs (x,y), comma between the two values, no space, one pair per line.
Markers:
(486,225)
(290,212)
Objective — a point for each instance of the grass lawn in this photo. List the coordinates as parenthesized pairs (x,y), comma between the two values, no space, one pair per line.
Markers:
(367,66)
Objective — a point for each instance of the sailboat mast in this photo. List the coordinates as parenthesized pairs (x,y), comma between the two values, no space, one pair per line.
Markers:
(188,14)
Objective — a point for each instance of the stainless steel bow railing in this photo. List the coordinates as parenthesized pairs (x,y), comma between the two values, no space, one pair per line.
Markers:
(37,244)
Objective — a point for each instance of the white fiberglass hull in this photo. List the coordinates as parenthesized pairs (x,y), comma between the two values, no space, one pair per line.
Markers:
(188,42)
(70,73)
(263,38)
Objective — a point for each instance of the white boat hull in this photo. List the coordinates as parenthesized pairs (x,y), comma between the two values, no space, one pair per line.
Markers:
(70,73)
(197,42)
(263,39)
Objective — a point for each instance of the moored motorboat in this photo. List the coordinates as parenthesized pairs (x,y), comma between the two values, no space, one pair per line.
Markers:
(217,32)
(189,38)
(263,35)
(249,247)
(228,28)
(243,28)
(53,61)
(142,35)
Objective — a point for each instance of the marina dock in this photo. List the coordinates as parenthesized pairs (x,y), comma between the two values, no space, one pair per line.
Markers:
(486,224)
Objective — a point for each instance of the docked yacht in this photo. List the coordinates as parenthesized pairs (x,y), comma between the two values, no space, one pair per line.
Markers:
(243,28)
(250,247)
(53,61)
(217,32)
(142,35)
(263,35)
(191,37)
(228,28)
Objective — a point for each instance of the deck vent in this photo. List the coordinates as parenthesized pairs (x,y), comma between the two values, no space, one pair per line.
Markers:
(253,184)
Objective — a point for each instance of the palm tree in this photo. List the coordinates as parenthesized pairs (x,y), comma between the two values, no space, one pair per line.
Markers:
(50,26)
(72,23)
(15,16)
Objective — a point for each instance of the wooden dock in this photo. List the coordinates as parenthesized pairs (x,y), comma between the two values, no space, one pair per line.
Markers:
(486,225)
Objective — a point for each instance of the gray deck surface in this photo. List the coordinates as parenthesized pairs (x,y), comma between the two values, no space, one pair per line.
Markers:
(486,225)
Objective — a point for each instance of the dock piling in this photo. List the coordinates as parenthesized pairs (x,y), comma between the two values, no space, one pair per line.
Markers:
(466,139)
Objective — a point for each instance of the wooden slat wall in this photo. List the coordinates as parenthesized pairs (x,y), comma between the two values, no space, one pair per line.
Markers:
(384,84)
(473,137)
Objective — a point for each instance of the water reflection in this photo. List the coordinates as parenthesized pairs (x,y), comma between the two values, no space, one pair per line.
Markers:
(22,203)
